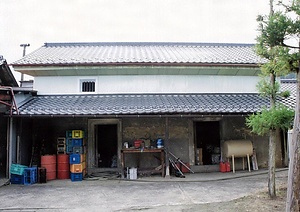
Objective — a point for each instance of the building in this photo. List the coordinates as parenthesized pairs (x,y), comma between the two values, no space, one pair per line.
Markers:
(194,96)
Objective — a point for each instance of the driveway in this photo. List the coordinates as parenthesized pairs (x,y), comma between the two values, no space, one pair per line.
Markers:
(148,193)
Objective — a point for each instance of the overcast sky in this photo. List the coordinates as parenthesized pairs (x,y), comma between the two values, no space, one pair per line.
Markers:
(40,21)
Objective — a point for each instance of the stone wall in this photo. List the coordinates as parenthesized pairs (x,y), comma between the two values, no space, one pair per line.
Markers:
(235,128)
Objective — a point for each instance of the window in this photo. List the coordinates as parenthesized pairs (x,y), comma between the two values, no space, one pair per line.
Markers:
(88,85)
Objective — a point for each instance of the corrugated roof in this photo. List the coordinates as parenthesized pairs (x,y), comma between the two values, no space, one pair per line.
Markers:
(139,104)
(141,53)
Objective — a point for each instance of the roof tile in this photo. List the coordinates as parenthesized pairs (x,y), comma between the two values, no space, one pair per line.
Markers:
(170,53)
(138,104)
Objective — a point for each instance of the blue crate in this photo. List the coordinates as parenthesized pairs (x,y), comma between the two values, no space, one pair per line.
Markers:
(77,142)
(78,149)
(69,147)
(69,150)
(69,141)
(75,159)
(30,176)
(69,134)
(17,169)
(76,177)
(16,179)
(36,172)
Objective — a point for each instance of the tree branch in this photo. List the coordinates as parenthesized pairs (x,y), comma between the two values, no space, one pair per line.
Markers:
(289,46)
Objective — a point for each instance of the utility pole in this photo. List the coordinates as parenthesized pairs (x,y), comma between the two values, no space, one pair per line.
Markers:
(24,45)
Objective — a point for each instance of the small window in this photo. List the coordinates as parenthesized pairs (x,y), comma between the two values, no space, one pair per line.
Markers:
(88,85)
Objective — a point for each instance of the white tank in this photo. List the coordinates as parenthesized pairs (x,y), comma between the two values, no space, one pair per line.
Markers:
(238,148)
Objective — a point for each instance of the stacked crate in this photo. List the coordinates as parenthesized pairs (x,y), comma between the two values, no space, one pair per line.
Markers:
(77,166)
(61,146)
(20,174)
(75,146)
(69,147)
(75,141)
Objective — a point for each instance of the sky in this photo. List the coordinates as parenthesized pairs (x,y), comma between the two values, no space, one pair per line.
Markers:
(39,21)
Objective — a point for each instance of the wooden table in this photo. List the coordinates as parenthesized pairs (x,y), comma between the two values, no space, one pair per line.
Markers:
(142,151)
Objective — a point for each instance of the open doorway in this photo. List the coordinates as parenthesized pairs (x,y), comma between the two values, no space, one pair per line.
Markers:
(207,142)
(107,145)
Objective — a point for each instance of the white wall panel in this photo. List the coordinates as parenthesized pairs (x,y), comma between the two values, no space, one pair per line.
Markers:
(149,84)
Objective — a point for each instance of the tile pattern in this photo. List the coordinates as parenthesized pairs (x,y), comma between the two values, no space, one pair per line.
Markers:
(141,53)
(127,104)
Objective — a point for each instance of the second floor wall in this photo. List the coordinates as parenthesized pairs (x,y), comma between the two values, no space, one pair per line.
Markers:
(122,84)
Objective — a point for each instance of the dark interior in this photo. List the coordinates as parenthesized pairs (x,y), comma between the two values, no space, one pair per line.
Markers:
(208,138)
(107,146)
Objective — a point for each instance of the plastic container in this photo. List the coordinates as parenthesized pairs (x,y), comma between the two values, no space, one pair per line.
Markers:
(159,143)
(77,142)
(78,149)
(77,134)
(16,179)
(30,176)
(75,158)
(222,167)
(227,166)
(69,134)
(76,177)
(133,173)
(61,141)
(17,169)
(138,144)
(82,158)
(77,168)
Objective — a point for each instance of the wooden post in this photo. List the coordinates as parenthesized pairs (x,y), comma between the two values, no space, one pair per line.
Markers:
(167,147)
(243,163)
(248,158)
(233,167)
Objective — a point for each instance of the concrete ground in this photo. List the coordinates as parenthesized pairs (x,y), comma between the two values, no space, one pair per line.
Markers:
(145,194)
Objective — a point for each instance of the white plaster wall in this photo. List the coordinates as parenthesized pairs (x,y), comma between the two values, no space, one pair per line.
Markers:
(149,84)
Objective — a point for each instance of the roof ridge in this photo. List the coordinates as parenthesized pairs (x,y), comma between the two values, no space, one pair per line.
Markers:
(144,44)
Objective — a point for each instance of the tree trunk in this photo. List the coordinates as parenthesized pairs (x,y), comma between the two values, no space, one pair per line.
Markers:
(293,190)
(272,145)
(272,152)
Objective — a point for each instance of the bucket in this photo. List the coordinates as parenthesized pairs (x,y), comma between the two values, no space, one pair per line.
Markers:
(49,162)
(138,144)
(63,168)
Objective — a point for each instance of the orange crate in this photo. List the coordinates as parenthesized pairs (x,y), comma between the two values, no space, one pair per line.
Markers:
(76,168)
(82,158)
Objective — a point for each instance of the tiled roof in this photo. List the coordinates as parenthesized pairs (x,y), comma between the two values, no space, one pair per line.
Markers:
(6,76)
(143,104)
(289,85)
(141,53)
